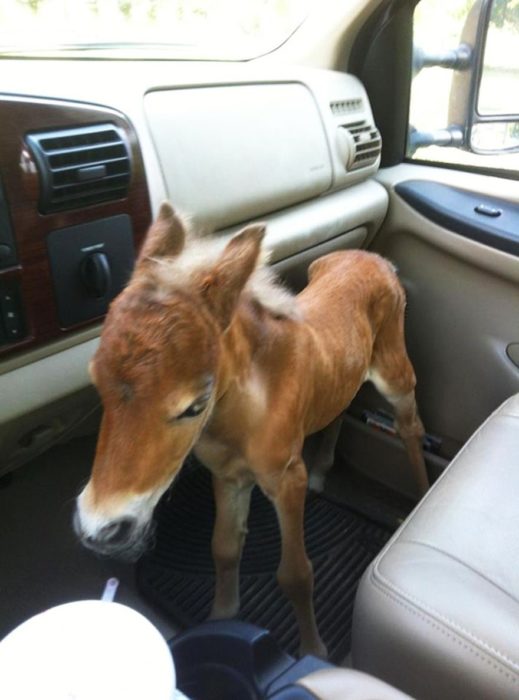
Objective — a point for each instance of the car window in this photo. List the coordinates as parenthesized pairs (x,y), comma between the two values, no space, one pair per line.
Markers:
(226,29)
(440,90)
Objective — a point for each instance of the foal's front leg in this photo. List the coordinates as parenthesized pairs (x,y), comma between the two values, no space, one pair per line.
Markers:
(232,509)
(295,572)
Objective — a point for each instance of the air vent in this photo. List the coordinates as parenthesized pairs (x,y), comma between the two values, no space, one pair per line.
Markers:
(365,144)
(340,107)
(79,167)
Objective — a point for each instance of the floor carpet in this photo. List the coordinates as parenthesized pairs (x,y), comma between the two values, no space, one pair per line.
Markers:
(177,573)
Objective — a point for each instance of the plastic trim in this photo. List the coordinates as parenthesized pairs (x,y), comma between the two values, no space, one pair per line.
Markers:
(455,209)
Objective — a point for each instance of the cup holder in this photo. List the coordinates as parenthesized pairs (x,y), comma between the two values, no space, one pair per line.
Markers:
(226,659)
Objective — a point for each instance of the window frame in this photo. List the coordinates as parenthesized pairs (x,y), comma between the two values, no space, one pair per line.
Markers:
(373,62)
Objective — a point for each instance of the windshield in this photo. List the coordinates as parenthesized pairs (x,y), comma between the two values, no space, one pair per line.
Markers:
(226,29)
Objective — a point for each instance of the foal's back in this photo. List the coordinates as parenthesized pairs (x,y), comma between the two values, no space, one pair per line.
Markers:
(350,282)
(352,299)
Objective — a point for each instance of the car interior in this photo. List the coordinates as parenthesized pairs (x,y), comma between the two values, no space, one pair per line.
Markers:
(320,138)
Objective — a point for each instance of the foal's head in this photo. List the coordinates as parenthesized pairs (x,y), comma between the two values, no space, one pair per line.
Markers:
(157,371)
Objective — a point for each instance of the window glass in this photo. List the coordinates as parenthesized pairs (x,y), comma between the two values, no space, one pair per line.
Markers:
(499,90)
(439,28)
(230,29)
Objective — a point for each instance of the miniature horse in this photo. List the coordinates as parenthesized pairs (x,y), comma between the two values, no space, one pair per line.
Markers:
(202,350)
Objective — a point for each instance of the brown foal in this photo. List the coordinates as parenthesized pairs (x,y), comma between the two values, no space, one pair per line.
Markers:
(203,351)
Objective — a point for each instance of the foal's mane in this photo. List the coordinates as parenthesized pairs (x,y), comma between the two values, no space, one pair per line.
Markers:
(201,253)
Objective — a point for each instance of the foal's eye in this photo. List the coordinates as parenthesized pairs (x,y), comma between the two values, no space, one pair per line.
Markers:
(194,410)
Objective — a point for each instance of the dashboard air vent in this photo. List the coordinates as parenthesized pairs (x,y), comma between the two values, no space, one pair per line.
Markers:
(82,166)
(365,144)
(340,107)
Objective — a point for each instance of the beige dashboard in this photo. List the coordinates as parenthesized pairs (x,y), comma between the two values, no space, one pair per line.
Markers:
(225,143)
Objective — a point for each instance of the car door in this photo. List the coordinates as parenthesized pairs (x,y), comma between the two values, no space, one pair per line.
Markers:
(452,227)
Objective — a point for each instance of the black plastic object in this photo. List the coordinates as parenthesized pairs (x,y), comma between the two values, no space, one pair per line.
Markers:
(484,209)
(382,58)
(457,210)
(177,574)
(7,247)
(90,265)
(12,324)
(293,692)
(230,659)
(96,275)
(81,166)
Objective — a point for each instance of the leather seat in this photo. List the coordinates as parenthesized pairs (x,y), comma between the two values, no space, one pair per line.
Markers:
(347,684)
(437,612)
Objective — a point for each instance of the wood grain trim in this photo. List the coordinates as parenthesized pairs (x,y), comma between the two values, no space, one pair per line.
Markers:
(18,116)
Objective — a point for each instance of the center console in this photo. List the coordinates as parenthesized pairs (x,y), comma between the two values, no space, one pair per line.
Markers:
(231,659)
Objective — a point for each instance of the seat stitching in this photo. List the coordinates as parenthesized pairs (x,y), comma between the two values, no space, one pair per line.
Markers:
(375,571)
(420,543)
(446,473)
(435,613)
(461,642)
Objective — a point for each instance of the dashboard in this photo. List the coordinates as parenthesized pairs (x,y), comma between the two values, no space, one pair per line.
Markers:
(58,162)
(89,149)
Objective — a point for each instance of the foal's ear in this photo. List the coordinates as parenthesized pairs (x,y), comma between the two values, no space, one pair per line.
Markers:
(166,236)
(222,286)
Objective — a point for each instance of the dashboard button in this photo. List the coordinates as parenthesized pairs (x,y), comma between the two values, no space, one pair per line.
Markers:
(11,316)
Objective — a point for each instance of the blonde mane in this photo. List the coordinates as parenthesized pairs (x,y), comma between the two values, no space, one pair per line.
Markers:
(201,252)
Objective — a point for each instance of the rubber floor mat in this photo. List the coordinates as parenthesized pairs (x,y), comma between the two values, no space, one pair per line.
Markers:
(177,574)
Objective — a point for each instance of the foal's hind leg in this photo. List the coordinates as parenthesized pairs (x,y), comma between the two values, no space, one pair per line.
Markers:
(322,455)
(393,375)
(407,422)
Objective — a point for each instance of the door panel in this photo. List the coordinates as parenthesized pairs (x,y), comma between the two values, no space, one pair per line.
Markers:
(488,220)
(463,306)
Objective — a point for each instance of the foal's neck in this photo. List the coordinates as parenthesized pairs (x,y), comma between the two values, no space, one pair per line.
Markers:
(255,337)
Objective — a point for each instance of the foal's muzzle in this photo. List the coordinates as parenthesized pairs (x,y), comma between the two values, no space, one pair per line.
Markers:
(123,538)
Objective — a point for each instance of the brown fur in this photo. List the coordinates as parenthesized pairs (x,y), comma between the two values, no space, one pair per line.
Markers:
(275,379)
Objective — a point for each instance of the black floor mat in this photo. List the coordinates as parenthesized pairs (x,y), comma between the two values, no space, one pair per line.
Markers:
(178,575)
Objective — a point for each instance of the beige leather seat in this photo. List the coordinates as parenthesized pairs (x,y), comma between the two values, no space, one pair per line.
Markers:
(437,613)
(346,684)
